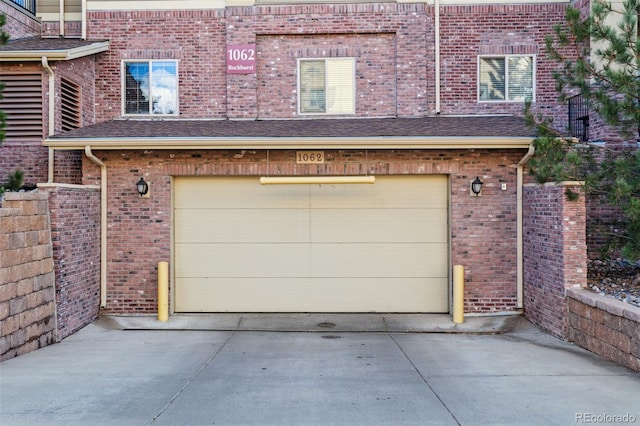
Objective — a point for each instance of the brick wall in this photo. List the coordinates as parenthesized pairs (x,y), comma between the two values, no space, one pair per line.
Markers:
(75,234)
(27,307)
(19,24)
(393,45)
(605,326)
(555,253)
(499,29)
(72,29)
(194,37)
(29,155)
(483,229)
(33,159)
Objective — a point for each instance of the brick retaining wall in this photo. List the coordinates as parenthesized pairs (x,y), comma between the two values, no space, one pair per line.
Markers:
(605,326)
(27,308)
(555,253)
(75,234)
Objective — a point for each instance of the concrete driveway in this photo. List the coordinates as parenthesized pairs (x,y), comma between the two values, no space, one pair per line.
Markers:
(110,374)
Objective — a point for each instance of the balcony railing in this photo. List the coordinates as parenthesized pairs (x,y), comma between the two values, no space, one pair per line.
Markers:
(579,117)
(27,5)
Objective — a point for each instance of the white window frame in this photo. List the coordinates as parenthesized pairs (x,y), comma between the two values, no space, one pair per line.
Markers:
(150,62)
(352,110)
(506,79)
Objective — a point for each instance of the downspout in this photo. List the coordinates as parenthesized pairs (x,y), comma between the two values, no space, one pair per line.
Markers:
(519,226)
(84,20)
(103,225)
(52,113)
(437,58)
(61,18)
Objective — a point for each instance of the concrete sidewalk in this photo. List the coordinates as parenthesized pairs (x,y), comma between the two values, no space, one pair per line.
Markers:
(516,375)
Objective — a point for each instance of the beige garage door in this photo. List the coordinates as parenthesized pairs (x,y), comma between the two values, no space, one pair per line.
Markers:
(244,247)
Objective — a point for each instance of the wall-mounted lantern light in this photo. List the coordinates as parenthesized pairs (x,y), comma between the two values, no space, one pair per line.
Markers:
(143,188)
(476,187)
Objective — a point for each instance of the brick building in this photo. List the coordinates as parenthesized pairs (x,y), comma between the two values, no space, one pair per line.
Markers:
(250,122)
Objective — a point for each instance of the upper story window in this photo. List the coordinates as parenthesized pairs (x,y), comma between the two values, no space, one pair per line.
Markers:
(506,78)
(326,86)
(150,88)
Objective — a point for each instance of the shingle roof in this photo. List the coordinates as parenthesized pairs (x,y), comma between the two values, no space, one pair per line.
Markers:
(54,48)
(439,126)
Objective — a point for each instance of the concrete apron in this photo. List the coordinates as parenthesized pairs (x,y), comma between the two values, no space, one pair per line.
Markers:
(387,323)
(108,377)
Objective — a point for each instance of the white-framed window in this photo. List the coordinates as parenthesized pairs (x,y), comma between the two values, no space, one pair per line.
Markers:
(326,86)
(509,78)
(150,87)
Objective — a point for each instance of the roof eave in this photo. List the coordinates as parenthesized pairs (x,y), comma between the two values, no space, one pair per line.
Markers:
(424,142)
(54,55)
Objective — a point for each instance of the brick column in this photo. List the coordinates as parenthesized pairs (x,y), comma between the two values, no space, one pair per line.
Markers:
(555,252)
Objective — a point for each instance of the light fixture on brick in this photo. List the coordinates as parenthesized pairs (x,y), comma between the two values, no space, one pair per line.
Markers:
(476,187)
(143,188)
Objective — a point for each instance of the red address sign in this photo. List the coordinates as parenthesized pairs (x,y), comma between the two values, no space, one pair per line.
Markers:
(241,59)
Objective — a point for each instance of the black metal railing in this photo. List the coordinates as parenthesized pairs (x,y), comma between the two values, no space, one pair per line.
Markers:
(27,5)
(579,117)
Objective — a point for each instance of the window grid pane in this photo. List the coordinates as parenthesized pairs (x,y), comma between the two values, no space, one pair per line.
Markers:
(492,79)
(164,87)
(312,87)
(520,78)
(340,76)
(137,88)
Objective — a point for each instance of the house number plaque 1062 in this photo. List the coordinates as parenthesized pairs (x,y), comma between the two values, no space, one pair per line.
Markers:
(309,157)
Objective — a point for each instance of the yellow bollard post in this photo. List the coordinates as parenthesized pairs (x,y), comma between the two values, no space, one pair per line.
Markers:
(458,294)
(163,291)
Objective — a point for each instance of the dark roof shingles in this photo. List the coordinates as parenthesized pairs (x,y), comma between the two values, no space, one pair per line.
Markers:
(44,44)
(440,126)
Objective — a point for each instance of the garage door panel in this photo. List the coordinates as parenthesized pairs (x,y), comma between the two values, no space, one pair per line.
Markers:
(391,225)
(242,225)
(311,295)
(378,260)
(304,260)
(240,295)
(234,192)
(414,192)
(245,260)
(382,294)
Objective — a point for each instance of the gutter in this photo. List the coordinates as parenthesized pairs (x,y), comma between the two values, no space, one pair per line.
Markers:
(61,10)
(52,95)
(55,54)
(84,19)
(437,53)
(519,226)
(51,125)
(382,142)
(103,225)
